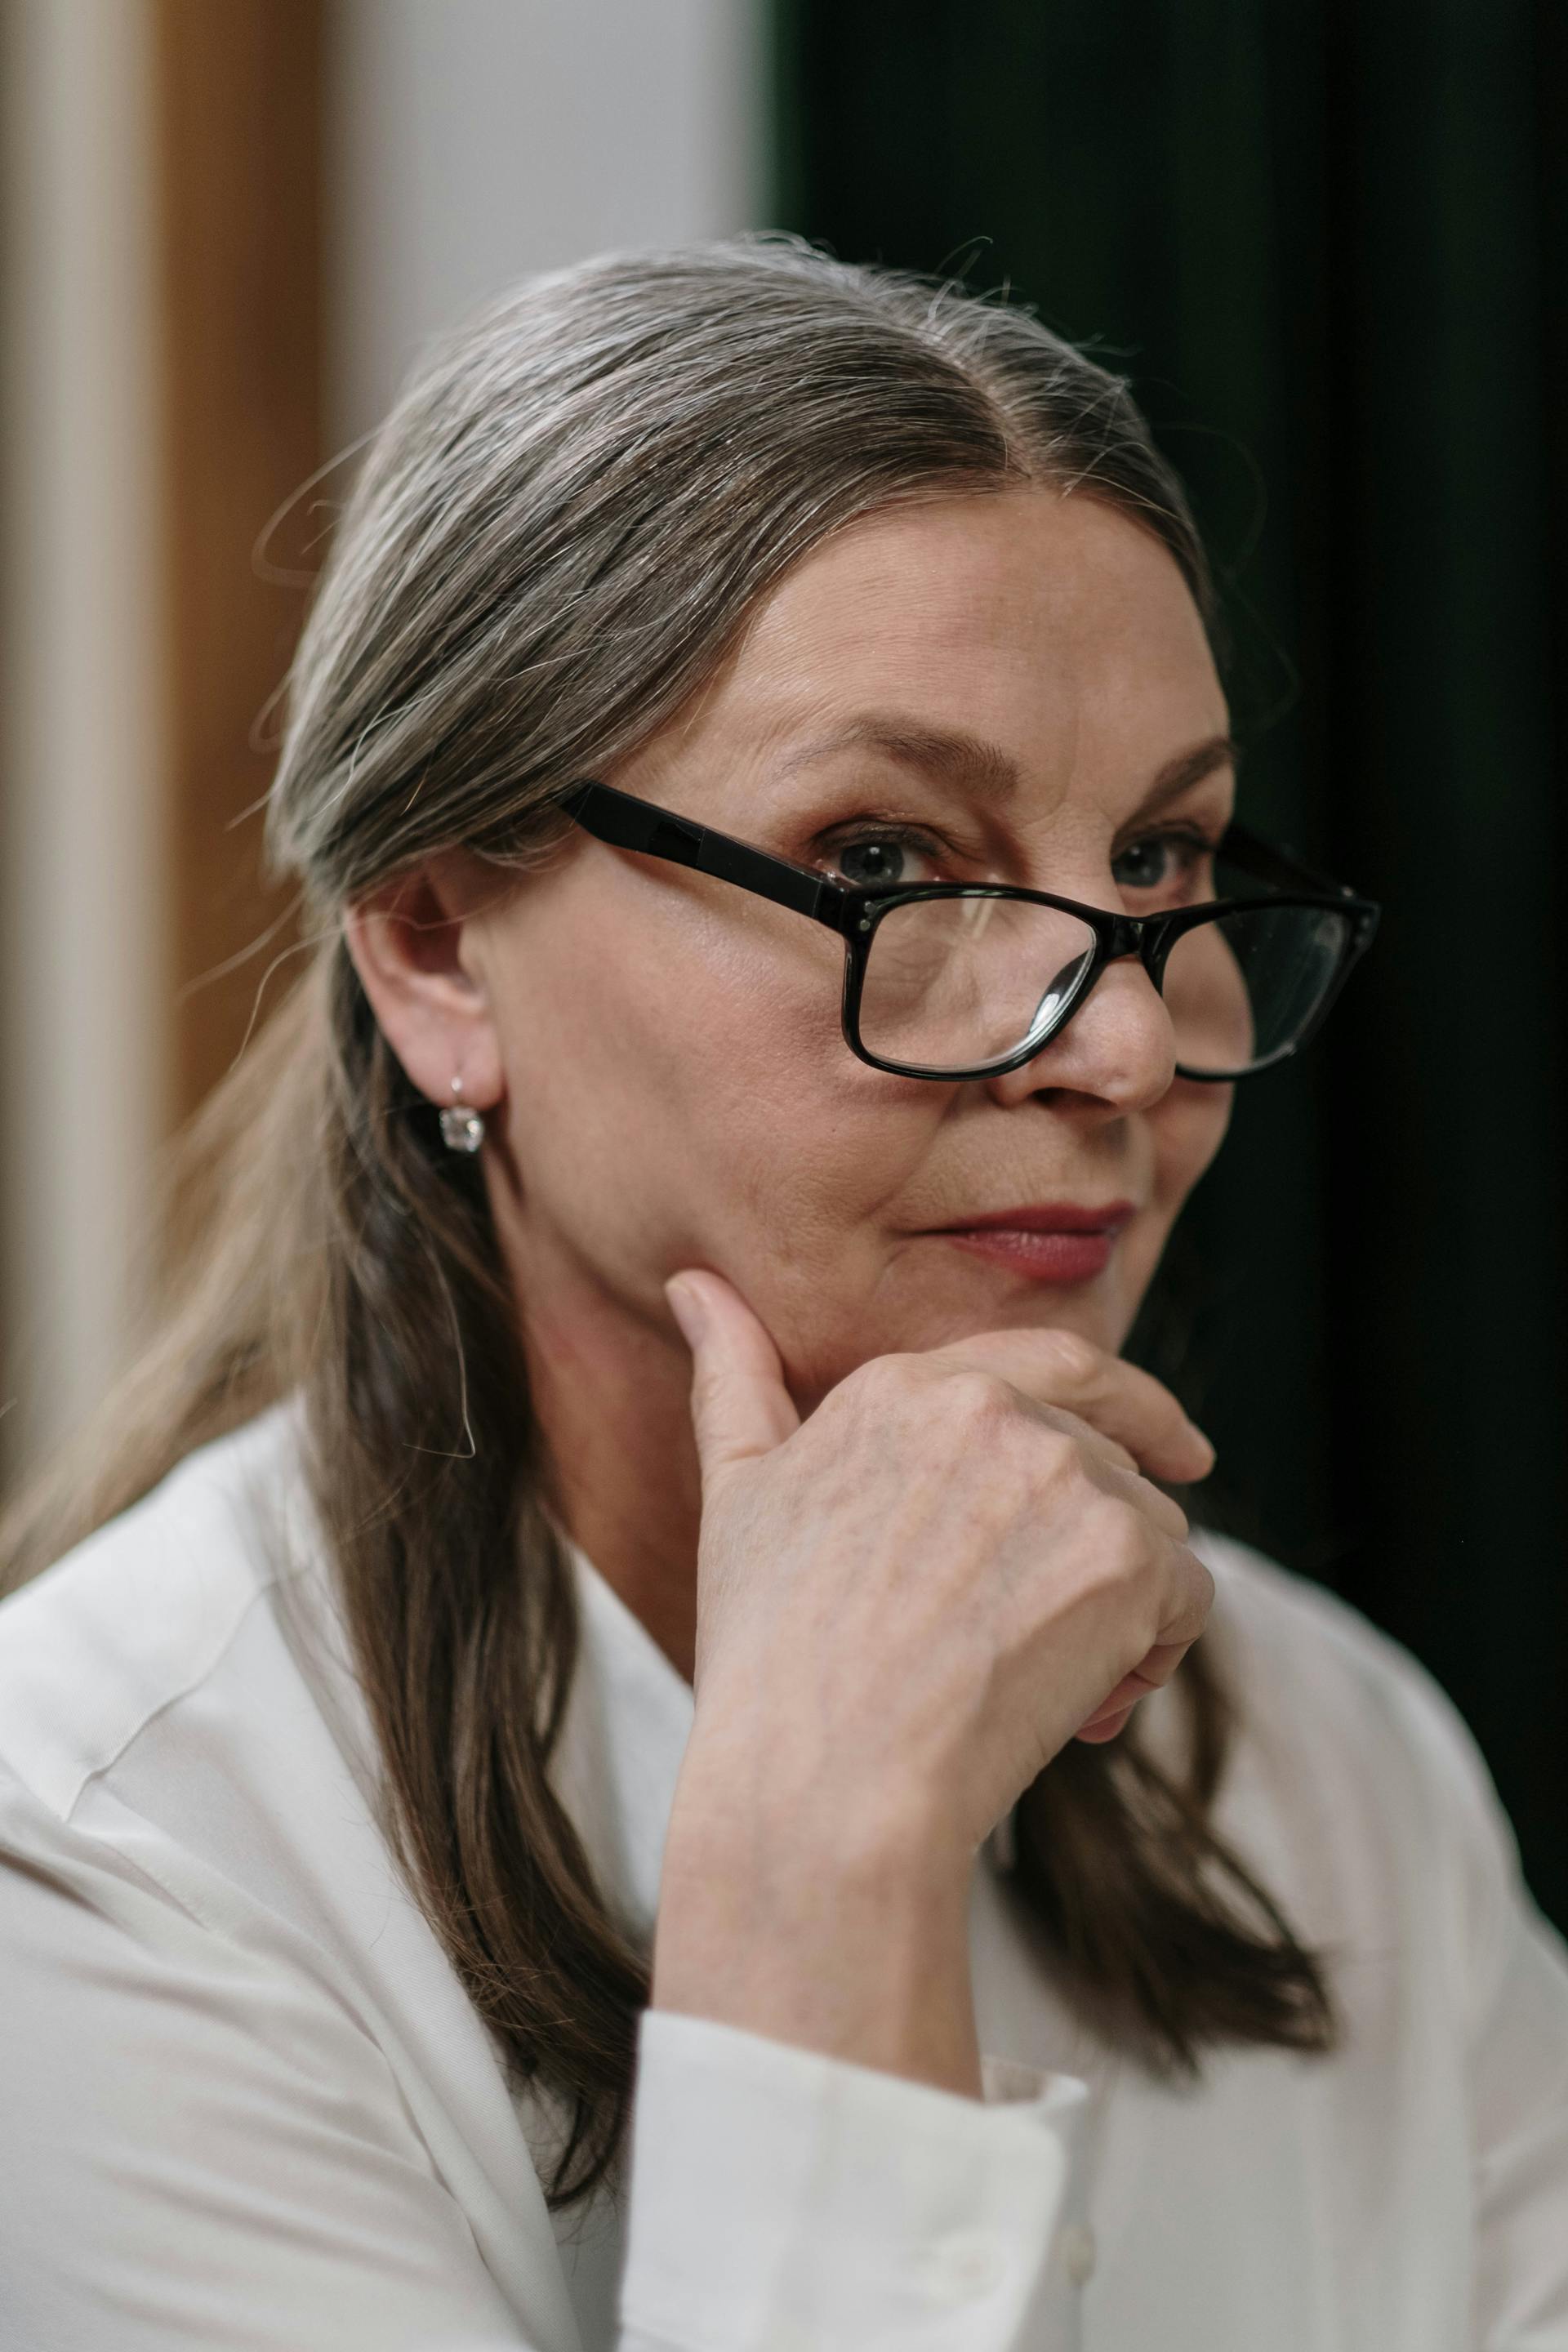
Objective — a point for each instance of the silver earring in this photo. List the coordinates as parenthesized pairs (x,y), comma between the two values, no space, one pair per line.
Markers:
(462,1127)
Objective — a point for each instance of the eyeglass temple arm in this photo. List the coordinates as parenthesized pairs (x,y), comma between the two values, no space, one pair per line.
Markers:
(628,823)
(1280,866)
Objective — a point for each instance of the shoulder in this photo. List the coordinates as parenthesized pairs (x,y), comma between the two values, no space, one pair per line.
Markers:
(1354,1782)
(1317,1667)
(186,1765)
(139,1615)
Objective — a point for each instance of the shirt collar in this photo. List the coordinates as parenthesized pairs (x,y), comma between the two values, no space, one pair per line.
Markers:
(629,1715)
(616,1765)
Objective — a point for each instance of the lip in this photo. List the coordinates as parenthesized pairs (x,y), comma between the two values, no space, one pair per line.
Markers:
(1050,1217)
(1056,1241)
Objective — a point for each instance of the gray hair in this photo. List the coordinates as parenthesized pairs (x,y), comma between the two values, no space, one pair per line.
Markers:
(579,494)
(553,540)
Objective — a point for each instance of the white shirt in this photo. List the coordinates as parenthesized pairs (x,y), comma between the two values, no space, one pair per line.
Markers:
(245,2102)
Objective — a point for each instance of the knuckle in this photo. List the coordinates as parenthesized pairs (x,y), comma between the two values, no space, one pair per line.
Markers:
(1073,1359)
(978,1398)
(1184,1594)
(1122,1539)
(1200,1587)
(879,1384)
(1181,1525)
(1060,1459)
(1111,1465)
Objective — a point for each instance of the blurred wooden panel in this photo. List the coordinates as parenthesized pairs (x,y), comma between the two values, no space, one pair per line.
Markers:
(238,139)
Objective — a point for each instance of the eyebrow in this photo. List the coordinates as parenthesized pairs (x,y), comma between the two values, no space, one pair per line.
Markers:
(985,768)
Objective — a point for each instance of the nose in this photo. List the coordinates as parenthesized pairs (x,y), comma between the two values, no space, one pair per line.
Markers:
(1117,1047)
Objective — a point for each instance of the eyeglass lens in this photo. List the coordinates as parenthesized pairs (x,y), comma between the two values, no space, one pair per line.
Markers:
(956,982)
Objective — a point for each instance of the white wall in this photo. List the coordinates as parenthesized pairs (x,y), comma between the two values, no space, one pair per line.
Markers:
(469,141)
(82,977)
(475,141)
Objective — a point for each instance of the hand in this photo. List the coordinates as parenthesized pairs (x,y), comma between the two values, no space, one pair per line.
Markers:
(917,1596)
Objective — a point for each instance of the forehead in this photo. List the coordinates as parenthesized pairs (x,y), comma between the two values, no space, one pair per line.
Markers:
(1051,625)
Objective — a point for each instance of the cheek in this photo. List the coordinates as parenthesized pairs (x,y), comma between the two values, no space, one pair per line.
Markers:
(688,1097)
(1188,1126)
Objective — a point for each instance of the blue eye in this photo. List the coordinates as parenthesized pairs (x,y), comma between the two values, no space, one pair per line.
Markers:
(882,859)
(1174,865)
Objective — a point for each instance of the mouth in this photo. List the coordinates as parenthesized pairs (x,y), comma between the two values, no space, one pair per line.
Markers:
(1059,1241)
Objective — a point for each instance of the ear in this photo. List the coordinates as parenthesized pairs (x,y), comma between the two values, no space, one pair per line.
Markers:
(416,944)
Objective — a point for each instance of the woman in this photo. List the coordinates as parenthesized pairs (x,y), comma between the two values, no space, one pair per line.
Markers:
(455,1592)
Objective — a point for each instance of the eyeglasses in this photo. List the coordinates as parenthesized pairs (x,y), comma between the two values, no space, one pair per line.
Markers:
(965,980)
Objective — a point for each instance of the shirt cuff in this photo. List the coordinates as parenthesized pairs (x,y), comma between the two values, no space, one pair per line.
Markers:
(785,2200)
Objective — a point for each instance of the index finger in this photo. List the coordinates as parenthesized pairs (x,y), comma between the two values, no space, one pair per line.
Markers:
(1122,1401)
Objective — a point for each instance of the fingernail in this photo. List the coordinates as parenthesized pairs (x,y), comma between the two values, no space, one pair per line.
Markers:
(687,1306)
(1205,1446)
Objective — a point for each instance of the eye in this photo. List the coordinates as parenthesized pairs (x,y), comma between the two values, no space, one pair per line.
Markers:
(884,855)
(1176,865)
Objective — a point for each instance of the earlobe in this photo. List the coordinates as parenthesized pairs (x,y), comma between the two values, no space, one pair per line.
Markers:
(407,944)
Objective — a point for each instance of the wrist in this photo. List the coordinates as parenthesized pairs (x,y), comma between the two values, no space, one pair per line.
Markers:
(842,1929)
(742,1806)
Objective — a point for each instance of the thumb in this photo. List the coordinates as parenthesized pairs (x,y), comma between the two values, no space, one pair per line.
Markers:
(739,1405)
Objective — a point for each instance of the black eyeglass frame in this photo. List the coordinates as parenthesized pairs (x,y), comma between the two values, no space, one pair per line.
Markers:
(854,910)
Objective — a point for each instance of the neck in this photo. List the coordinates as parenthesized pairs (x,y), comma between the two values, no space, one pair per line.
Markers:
(610,1393)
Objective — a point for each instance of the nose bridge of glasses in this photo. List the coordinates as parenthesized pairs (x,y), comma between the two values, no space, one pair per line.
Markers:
(1122,1027)
(1144,939)
(1125,935)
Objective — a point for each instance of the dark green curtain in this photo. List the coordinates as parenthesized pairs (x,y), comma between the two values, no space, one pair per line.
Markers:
(1328,242)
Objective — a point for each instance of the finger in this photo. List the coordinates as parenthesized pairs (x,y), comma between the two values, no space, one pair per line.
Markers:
(1117,1471)
(1124,1402)
(1156,1505)
(1103,1727)
(1191,1600)
(739,1405)
(1155,1670)
(1150,1674)
(1094,1442)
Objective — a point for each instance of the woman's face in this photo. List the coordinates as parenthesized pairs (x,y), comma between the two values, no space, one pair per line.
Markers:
(1021,683)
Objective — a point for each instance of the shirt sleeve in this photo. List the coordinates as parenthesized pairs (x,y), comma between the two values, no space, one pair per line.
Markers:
(785,2198)
(1520,2079)
(199,2146)
(1518,2072)
(1513,1997)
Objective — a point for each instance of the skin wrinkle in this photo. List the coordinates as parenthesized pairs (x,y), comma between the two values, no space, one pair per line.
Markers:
(662,1054)
(985,768)
(583,496)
